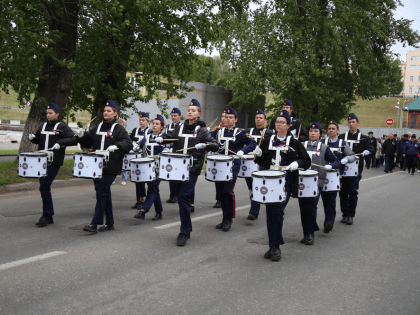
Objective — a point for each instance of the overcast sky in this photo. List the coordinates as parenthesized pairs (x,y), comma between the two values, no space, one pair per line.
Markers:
(410,11)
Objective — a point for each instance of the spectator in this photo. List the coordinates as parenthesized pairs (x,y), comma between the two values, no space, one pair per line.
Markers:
(389,150)
(377,158)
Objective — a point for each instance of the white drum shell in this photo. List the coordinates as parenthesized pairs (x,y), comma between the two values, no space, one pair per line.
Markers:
(88,165)
(174,167)
(126,160)
(32,164)
(143,170)
(352,169)
(248,166)
(268,187)
(219,168)
(308,184)
(332,181)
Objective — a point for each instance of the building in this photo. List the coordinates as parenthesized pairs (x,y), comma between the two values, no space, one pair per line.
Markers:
(411,75)
(413,114)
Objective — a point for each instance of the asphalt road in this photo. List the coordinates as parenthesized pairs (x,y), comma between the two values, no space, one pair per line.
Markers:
(368,268)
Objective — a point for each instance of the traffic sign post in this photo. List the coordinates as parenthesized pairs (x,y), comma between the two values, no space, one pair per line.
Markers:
(390,122)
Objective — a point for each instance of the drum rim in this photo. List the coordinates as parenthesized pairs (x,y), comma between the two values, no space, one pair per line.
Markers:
(308,175)
(282,174)
(223,158)
(172,154)
(33,154)
(87,154)
(146,159)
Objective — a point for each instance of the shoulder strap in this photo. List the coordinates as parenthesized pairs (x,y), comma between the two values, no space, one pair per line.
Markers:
(340,143)
(319,145)
(99,127)
(345,135)
(288,140)
(306,144)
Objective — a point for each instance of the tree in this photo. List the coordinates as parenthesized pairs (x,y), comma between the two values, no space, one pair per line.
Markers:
(317,53)
(38,46)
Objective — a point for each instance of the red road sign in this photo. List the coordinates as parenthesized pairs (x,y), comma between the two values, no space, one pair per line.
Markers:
(390,122)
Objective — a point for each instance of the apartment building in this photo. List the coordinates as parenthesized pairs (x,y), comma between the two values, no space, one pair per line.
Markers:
(411,74)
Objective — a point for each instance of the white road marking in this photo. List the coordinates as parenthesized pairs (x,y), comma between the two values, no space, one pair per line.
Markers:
(378,176)
(29,260)
(161,227)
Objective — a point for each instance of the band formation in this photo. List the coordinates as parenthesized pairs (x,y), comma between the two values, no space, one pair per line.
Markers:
(277,162)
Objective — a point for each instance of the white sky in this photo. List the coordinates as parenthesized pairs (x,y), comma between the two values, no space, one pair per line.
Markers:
(410,11)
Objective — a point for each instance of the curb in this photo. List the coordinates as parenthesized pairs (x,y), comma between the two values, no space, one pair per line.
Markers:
(58,183)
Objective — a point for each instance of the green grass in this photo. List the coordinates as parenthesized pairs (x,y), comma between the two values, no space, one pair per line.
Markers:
(8,172)
(14,152)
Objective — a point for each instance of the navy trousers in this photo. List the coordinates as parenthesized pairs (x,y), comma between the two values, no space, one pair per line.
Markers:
(389,163)
(308,207)
(219,189)
(275,214)
(103,200)
(368,160)
(184,199)
(45,189)
(255,207)
(228,198)
(411,162)
(174,189)
(153,197)
(349,195)
(140,191)
(329,200)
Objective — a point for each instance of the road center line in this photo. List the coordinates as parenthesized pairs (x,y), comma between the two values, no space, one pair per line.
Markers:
(378,176)
(29,260)
(161,227)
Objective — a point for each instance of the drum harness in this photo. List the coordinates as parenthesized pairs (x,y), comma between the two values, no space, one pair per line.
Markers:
(47,138)
(351,142)
(311,153)
(277,161)
(186,136)
(256,137)
(170,128)
(103,134)
(220,137)
(340,145)
(139,137)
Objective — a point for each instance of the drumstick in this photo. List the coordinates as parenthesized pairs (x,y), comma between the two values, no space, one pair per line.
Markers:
(102,151)
(300,126)
(321,166)
(86,125)
(44,150)
(234,152)
(259,144)
(360,153)
(212,123)
(153,140)
(188,148)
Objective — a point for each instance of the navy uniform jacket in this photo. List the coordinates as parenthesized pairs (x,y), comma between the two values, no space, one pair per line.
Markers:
(189,136)
(118,137)
(137,134)
(357,143)
(411,148)
(256,133)
(171,126)
(390,147)
(401,145)
(62,135)
(340,149)
(234,139)
(372,142)
(295,125)
(151,147)
(296,153)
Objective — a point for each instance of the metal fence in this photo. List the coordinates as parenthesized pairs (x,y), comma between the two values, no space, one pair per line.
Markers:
(378,132)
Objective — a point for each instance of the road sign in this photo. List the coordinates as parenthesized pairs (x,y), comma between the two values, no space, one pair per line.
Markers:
(390,122)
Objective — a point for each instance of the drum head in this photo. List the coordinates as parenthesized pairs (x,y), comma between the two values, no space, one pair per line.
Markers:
(33,154)
(175,155)
(248,157)
(142,160)
(222,158)
(273,174)
(308,173)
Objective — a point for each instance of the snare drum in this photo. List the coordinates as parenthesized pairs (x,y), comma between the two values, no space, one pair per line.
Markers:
(88,165)
(308,184)
(248,166)
(143,170)
(351,169)
(33,164)
(174,167)
(129,156)
(219,168)
(332,181)
(268,187)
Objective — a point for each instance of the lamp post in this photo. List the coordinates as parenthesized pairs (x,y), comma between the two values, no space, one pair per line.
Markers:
(398,112)
(406,109)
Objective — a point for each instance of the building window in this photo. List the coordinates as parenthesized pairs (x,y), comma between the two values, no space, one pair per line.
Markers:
(411,78)
(414,58)
(419,78)
(413,67)
(418,90)
(410,89)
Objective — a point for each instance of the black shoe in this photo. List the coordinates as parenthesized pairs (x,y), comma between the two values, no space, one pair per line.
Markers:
(44,221)
(267,255)
(91,228)
(140,215)
(228,223)
(158,216)
(349,221)
(220,225)
(386,171)
(344,220)
(252,217)
(172,200)
(192,209)
(276,253)
(368,167)
(137,205)
(328,227)
(106,228)
(310,239)
(182,238)
(391,171)
(218,204)
(303,240)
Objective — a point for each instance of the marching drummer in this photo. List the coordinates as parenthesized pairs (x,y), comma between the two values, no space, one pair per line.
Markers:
(192,134)
(152,148)
(342,151)
(325,160)
(281,149)
(173,186)
(54,135)
(360,145)
(232,141)
(256,134)
(136,136)
(114,142)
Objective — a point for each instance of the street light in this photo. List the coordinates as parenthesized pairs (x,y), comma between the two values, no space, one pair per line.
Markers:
(406,109)
(398,112)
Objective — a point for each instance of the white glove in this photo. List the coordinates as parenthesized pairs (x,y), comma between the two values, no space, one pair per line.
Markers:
(240,154)
(112,148)
(56,146)
(159,139)
(136,147)
(366,152)
(80,133)
(31,136)
(166,150)
(328,167)
(258,151)
(200,146)
(344,160)
(293,166)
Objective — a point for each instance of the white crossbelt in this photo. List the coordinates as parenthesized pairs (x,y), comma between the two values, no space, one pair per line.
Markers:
(351,142)
(221,138)
(103,134)
(277,161)
(48,133)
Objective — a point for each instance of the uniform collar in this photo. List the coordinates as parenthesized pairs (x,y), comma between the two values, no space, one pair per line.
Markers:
(333,140)
(53,122)
(281,139)
(230,129)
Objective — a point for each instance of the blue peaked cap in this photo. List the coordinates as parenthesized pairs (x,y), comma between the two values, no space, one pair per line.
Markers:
(55,107)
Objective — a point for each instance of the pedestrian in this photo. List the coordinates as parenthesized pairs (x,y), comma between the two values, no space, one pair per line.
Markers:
(389,150)
(411,150)
(372,142)
(378,153)
(401,145)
